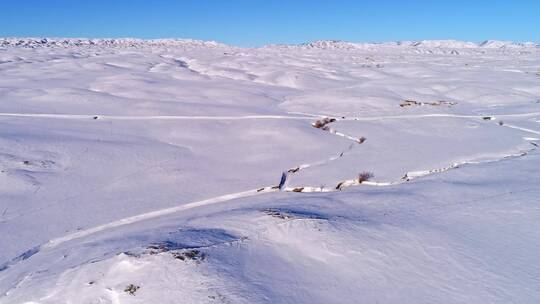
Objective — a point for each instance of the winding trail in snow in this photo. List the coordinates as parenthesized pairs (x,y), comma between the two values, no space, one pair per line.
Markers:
(324,127)
(261,190)
(409,176)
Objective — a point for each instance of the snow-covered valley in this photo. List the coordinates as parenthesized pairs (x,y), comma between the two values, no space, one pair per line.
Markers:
(182,171)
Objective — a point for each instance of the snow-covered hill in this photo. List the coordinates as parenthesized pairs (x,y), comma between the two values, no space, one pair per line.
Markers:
(159,171)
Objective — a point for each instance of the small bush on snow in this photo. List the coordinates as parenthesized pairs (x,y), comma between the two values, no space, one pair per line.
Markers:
(131,289)
(364,176)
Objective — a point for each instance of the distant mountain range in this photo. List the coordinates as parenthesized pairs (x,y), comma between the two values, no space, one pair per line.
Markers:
(319,44)
(449,44)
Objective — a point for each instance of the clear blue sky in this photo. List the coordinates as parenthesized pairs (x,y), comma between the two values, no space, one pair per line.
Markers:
(258,22)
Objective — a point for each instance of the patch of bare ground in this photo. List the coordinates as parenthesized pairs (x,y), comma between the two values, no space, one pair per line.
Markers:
(410,102)
(185,254)
(322,123)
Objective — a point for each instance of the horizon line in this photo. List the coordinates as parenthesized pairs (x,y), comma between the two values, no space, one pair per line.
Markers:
(266,44)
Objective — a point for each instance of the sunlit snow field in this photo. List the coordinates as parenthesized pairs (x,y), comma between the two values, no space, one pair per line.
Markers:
(181,171)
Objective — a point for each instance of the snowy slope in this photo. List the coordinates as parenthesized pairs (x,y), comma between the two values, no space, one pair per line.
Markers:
(148,171)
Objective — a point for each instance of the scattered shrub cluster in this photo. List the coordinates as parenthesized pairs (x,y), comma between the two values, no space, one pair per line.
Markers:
(321,123)
(131,289)
(409,102)
(364,176)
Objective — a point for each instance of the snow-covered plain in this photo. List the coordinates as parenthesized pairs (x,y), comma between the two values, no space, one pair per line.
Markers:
(181,171)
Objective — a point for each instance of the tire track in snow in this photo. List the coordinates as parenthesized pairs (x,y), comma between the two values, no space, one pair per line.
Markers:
(153,214)
(134,219)
(522,129)
(305,116)
(151,117)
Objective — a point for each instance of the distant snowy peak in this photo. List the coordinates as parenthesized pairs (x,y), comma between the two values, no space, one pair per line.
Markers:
(498,44)
(327,45)
(449,44)
(427,44)
(495,44)
(330,44)
(120,42)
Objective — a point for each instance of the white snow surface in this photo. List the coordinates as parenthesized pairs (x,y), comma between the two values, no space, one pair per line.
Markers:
(184,171)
